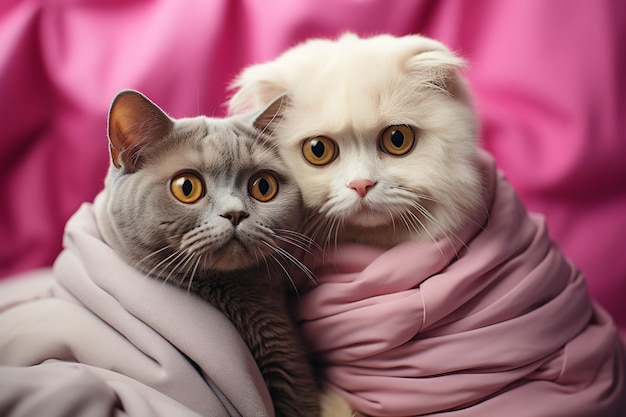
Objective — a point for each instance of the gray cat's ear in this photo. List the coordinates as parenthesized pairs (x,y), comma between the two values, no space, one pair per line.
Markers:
(133,121)
(271,116)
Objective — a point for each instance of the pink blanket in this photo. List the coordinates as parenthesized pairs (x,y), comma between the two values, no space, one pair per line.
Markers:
(547,76)
(96,338)
(494,322)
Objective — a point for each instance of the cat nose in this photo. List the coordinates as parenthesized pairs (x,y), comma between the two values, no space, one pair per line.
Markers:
(235,217)
(361,186)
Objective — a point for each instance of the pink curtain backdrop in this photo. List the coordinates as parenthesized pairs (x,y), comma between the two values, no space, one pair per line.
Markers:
(547,75)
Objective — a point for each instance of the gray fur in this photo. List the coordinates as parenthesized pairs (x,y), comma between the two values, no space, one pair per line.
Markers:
(240,268)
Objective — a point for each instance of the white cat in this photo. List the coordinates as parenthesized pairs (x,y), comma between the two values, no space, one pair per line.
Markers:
(380,132)
(380,136)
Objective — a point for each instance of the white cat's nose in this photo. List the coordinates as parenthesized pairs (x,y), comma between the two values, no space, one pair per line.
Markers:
(235,217)
(361,186)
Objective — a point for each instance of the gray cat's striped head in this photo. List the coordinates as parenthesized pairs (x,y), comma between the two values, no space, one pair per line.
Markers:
(196,195)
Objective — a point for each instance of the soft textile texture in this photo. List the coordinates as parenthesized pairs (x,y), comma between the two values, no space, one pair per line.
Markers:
(97,338)
(548,78)
(493,321)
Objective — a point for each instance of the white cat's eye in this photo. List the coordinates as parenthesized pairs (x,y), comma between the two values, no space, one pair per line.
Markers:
(263,186)
(187,187)
(319,150)
(397,140)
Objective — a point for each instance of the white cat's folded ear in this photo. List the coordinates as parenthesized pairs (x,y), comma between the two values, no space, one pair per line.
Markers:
(439,69)
(253,90)
(133,121)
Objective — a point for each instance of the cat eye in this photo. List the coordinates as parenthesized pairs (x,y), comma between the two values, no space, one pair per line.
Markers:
(187,187)
(319,150)
(263,186)
(397,140)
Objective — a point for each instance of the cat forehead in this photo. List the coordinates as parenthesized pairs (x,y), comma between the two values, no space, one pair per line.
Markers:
(365,83)
(207,143)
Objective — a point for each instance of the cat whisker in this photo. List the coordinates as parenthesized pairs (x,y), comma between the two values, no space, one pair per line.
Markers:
(418,226)
(263,233)
(335,224)
(408,225)
(316,229)
(315,226)
(393,220)
(185,254)
(293,260)
(297,240)
(413,199)
(184,266)
(293,284)
(160,266)
(143,260)
(259,251)
(193,273)
(447,233)
(338,226)
(467,214)
(321,230)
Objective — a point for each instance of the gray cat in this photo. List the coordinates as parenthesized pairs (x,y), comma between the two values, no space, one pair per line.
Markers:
(206,204)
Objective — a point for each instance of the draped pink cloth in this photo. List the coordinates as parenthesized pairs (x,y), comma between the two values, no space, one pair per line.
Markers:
(494,321)
(547,77)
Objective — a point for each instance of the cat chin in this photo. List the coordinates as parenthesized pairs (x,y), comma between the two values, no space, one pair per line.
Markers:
(383,236)
(368,219)
(230,262)
(233,255)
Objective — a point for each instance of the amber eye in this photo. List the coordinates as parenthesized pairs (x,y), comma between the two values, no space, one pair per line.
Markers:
(263,186)
(187,187)
(397,140)
(319,150)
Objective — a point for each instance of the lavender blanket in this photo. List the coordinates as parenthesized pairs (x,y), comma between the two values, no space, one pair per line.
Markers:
(93,337)
(492,322)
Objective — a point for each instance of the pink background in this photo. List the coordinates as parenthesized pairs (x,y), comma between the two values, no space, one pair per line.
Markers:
(546,76)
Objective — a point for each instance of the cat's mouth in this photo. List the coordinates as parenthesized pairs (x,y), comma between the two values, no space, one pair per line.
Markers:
(231,255)
(366,215)
(230,245)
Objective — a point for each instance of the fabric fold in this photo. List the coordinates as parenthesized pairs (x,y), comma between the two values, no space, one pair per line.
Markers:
(148,342)
(467,325)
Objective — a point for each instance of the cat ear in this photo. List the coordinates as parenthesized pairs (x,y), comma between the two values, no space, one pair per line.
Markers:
(133,121)
(269,118)
(252,89)
(438,68)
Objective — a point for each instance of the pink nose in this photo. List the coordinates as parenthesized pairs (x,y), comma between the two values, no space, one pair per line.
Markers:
(361,186)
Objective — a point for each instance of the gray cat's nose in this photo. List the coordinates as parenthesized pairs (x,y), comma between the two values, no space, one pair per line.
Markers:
(235,217)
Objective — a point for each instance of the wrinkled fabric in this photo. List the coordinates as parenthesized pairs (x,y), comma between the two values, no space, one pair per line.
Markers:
(547,76)
(491,321)
(98,338)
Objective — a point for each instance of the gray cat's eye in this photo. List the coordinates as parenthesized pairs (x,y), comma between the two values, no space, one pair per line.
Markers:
(187,187)
(263,186)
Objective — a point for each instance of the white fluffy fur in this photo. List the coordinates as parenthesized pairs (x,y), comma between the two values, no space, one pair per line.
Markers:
(349,90)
